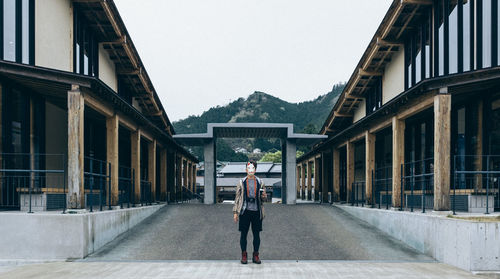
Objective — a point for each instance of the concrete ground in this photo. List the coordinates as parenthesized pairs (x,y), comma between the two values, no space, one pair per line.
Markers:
(232,269)
(199,241)
(301,232)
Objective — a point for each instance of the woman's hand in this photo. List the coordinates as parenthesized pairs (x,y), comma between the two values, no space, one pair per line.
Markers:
(235,217)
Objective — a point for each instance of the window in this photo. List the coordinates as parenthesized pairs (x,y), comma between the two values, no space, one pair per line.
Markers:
(453,37)
(17,38)
(374,97)
(466,17)
(487,34)
(86,56)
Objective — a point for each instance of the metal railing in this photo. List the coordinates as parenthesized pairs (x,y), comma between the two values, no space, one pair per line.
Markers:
(476,183)
(417,184)
(97,182)
(358,193)
(382,186)
(26,182)
(126,186)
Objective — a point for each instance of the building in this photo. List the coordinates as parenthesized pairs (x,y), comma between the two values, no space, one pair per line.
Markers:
(417,124)
(81,120)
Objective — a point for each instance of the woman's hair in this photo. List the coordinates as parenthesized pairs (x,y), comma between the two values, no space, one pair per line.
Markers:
(253,163)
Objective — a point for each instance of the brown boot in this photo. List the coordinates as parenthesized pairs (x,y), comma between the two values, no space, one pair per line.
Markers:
(255,258)
(244,257)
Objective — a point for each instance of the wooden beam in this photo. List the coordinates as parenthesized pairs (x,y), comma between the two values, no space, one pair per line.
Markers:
(364,73)
(126,122)
(111,18)
(416,106)
(99,106)
(382,42)
(112,128)
(350,169)
(76,105)
(418,2)
(398,158)
(369,165)
(344,115)
(392,20)
(382,125)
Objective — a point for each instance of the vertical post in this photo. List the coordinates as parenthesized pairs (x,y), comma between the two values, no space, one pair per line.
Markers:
(324,181)
(112,156)
(298,181)
(370,165)
(76,197)
(316,178)
(163,174)
(209,152)
(309,179)
(291,163)
(442,150)
(194,177)
(398,157)
(350,169)
(135,143)
(303,181)
(336,175)
(152,169)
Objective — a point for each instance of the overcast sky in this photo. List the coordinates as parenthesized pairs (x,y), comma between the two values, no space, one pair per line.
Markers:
(203,53)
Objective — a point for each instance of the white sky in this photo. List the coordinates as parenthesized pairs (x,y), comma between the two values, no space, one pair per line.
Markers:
(204,53)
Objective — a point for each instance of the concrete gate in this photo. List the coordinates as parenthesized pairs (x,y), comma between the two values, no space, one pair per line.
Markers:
(289,142)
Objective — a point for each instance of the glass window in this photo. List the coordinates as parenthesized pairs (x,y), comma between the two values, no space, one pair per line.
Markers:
(9,30)
(498,33)
(85,48)
(25,32)
(427,45)
(466,26)
(418,58)
(440,38)
(486,14)
(453,37)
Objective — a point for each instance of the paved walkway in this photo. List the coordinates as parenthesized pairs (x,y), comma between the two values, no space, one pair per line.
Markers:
(199,241)
(225,269)
(301,232)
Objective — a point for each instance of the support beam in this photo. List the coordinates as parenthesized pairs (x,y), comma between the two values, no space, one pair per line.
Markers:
(112,124)
(336,175)
(152,167)
(324,180)
(210,175)
(309,180)
(442,151)
(163,174)
(135,144)
(76,105)
(193,172)
(398,158)
(370,165)
(350,169)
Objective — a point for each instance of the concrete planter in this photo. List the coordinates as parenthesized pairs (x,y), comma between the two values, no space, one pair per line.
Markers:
(56,236)
(469,245)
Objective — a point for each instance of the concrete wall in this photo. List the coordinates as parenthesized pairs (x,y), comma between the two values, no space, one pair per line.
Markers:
(51,235)
(54,34)
(393,80)
(56,135)
(473,246)
(360,112)
(107,72)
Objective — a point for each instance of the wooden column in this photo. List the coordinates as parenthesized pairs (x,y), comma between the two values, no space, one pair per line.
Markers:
(336,175)
(442,151)
(303,181)
(135,144)
(350,169)
(163,174)
(152,167)
(309,179)
(324,180)
(369,166)
(398,158)
(193,173)
(189,177)
(298,181)
(76,105)
(316,178)
(112,124)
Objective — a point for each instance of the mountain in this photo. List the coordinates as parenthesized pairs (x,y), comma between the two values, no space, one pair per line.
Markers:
(307,117)
(262,107)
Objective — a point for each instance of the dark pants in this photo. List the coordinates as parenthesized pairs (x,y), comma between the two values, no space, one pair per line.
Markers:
(250,218)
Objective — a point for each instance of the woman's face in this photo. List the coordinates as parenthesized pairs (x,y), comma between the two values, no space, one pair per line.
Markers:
(250,169)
